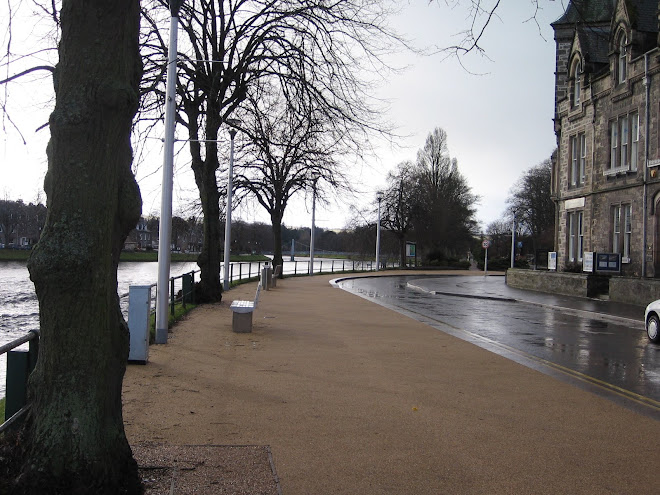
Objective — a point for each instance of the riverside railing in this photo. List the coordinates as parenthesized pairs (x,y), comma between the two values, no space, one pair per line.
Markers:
(20,364)
(247,270)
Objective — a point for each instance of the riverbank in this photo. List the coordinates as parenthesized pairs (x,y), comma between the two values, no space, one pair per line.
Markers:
(135,256)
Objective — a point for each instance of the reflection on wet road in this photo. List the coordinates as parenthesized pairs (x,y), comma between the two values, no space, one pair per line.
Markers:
(611,358)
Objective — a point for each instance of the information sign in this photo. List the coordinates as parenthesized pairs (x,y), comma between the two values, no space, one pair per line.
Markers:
(608,262)
(588,262)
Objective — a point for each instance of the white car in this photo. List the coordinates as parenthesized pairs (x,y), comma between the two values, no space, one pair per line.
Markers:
(652,321)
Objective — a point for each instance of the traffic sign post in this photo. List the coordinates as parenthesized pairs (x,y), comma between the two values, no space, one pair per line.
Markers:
(485,245)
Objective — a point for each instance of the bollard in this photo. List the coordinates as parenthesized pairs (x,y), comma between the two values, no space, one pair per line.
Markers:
(139,308)
(187,289)
(18,369)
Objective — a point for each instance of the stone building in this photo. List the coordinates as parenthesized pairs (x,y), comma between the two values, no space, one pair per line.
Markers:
(606,176)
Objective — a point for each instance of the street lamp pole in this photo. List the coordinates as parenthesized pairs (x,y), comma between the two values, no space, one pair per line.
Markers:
(230,185)
(165,229)
(513,239)
(311,237)
(379,197)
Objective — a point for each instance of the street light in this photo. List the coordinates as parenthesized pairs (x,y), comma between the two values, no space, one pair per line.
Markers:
(379,197)
(513,238)
(232,133)
(311,237)
(165,230)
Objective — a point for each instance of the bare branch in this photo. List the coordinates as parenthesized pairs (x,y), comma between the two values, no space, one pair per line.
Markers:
(48,68)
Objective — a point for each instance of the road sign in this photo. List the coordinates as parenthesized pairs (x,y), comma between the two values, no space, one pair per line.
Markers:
(485,244)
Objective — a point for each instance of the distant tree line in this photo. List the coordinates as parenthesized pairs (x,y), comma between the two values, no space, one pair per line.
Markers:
(257,238)
(21,225)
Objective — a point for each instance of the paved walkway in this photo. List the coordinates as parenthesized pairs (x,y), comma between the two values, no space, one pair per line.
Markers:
(353,398)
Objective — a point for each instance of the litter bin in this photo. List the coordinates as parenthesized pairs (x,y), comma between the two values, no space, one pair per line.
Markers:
(266,277)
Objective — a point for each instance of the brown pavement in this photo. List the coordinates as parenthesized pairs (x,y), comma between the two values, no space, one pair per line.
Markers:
(353,398)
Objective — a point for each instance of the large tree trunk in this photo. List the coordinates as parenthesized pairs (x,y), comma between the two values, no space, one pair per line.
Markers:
(402,250)
(209,259)
(276,220)
(74,436)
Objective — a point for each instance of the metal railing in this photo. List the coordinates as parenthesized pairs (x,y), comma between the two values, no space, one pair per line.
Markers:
(19,366)
(244,270)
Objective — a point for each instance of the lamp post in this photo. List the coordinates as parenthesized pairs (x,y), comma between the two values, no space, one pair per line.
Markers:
(230,178)
(311,237)
(165,229)
(513,238)
(379,197)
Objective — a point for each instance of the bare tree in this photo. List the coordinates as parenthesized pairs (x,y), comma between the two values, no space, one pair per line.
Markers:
(73,440)
(315,53)
(292,149)
(531,201)
(399,204)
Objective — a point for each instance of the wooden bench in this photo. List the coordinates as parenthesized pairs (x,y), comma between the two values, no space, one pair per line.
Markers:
(242,313)
(276,274)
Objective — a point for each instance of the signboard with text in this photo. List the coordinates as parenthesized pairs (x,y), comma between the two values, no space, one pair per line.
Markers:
(608,263)
(588,262)
(552,260)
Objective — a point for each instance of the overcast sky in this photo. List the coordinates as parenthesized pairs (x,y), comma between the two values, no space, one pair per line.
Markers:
(498,123)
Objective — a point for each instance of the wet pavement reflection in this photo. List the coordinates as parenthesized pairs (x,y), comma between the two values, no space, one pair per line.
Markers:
(598,345)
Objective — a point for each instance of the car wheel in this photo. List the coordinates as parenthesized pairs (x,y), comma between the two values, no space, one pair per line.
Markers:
(653,328)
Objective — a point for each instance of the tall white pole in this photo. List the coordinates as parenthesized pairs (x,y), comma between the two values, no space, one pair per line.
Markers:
(379,197)
(165,230)
(513,239)
(230,179)
(311,238)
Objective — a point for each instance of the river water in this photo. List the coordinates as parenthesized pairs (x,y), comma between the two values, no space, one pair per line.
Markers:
(19,309)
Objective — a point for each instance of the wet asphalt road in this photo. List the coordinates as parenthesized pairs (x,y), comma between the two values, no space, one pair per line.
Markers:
(610,358)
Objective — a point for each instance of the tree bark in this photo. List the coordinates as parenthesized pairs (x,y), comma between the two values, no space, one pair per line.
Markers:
(209,259)
(276,220)
(75,439)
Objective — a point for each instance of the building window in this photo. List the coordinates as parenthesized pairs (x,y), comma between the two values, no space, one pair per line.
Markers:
(624,142)
(622,230)
(634,147)
(575,236)
(627,230)
(577,87)
(578,145)
(622,60)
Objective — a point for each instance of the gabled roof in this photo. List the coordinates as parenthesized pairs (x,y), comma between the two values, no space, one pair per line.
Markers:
(594,45)
(643,14)
(587,11)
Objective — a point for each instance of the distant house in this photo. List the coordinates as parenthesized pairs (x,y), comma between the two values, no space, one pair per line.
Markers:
(606,178)
(140,238)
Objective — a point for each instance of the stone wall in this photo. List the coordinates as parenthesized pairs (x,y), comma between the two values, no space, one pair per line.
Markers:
(634,290)
(629,290)
(569,284)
